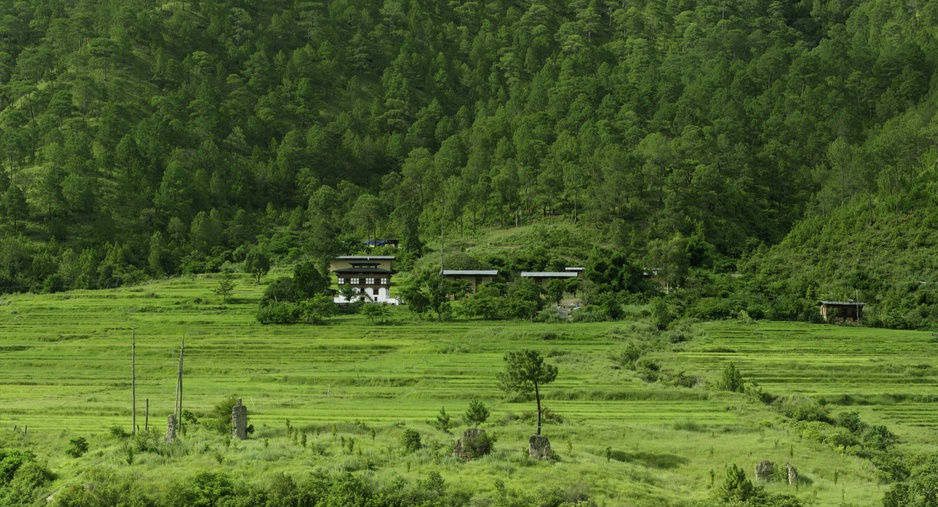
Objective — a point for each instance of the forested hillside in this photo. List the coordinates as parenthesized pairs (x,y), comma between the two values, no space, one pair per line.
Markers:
(142,137)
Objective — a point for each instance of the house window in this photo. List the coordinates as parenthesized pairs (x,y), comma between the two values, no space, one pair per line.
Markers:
(354,281)
(384,281)
(341,281)
(369,281)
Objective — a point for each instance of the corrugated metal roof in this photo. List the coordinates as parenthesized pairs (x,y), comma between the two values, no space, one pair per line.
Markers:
(842,303)
(470,272)
(365,258)
(548,274)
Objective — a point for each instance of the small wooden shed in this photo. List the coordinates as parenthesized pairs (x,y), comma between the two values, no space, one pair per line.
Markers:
(842,311)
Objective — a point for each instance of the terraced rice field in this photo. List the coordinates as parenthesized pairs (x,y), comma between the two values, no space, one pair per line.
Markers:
(66,363)
(890,376)
(66,359)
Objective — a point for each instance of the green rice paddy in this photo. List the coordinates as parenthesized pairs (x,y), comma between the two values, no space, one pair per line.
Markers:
(66,362)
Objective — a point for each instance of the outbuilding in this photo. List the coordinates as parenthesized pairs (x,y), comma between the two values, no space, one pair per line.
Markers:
(475,277)
(842,311)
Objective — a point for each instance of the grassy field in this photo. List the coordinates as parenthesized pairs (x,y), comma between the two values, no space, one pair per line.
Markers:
(351,387)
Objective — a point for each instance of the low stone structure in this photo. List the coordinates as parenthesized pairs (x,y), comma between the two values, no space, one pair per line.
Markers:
(792,474)
(539,447)
(473,445)
(239,421)
(765,469)
(170,429)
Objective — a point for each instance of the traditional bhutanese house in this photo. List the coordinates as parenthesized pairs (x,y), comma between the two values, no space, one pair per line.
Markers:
(842,311)
(475,277)
(542,277)
(368,275)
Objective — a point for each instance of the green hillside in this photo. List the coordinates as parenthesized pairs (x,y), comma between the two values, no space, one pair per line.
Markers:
(877,249)
(143,138)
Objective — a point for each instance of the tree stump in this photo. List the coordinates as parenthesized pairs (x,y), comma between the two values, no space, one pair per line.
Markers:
(473,445)
(539,447)
(765,469)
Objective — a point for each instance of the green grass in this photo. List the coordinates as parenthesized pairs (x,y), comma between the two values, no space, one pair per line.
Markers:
(66,364)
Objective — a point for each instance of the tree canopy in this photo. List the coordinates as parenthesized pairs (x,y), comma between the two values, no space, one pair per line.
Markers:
(153,138)
(525,372)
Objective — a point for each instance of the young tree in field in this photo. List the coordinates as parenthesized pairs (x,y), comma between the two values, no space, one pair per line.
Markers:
(226,285)
(731,380)
(556,289)
(525,372)
(477,413)
(257,263)
(443,420)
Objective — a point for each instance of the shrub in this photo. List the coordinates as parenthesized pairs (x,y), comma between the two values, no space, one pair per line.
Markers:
(627,356)
(851,421)
(648,370)
(278,313)
(841,439)
(661,313)
(879,438)
(731,380)
(79,446)
(118,432)
(479,446)
(410,441)
(736,487)
(549,316)
(803,409)
(590,313)
(30,478)
(219,419)
(280,290)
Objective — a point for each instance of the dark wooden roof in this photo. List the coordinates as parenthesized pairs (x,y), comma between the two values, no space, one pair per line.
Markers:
(363,271)
(841,303)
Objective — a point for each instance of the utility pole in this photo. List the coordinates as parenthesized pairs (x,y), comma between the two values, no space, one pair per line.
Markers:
(182,349)
(133,381)
(442,234)
(856,299)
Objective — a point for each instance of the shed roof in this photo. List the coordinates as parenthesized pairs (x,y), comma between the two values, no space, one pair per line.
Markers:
(365,258)
(469,272)
(841,303)
(548,274)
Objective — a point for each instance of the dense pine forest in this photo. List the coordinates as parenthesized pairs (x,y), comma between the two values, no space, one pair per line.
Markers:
(762,154)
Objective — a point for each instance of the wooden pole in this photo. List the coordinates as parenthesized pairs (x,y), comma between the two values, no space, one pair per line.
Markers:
(146,420)
(442,241)
(178,411)
(182,350)
(133,380)
(176,402)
